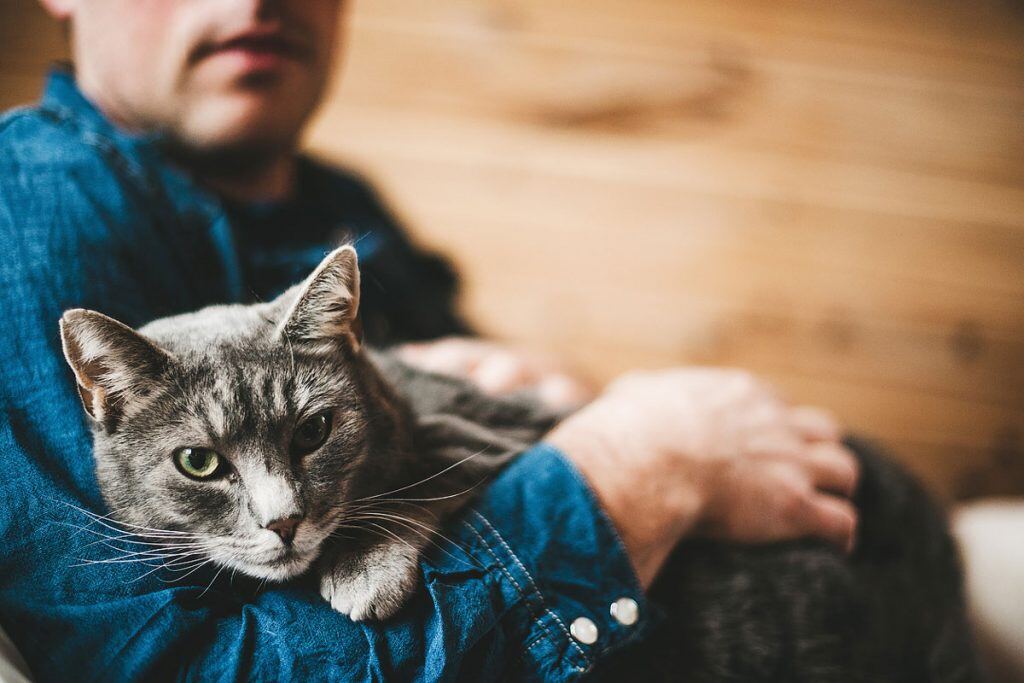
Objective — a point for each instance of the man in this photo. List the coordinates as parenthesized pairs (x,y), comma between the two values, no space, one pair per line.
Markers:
(161,176)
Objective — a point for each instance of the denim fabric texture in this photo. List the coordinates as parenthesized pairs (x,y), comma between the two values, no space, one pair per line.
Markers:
(92,217)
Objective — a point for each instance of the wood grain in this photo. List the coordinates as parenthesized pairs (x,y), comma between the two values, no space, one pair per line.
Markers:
(831,194)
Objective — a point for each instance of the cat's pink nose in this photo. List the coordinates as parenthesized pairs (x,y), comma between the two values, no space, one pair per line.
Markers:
(285,528)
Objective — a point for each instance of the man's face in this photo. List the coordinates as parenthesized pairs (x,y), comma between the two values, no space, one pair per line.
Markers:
(212,73)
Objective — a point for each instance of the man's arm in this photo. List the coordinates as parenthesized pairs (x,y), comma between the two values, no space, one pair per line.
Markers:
(536,552)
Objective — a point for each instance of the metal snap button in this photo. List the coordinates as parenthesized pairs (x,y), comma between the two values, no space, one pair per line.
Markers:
(625,611)
(584,630)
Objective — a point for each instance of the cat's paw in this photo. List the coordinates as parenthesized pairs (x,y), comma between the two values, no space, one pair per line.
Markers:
(373,586)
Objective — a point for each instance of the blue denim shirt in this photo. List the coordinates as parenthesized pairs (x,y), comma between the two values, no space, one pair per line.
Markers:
(92,217)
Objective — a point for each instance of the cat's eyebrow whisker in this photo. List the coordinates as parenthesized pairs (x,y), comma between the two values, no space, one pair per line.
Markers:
(424,480)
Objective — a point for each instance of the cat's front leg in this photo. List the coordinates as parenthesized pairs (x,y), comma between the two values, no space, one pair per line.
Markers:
(373,584)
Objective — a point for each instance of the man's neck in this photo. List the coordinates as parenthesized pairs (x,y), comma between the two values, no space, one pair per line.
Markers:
(269,180)
(243,174)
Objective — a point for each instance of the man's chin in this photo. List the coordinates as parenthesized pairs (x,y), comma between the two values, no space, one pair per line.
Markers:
(240,124)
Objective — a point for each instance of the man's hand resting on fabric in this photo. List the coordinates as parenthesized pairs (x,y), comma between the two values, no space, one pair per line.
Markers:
(682,452)
(710,452)
(500,369)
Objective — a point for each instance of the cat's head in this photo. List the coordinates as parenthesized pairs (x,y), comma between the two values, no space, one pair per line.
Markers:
(239,432)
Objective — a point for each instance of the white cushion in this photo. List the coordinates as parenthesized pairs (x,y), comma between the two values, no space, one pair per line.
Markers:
(991,537)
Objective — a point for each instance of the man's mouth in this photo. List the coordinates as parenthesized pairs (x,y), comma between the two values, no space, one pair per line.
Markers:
(257,49)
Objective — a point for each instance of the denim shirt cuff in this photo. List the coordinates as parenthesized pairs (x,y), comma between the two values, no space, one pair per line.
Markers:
(559,564)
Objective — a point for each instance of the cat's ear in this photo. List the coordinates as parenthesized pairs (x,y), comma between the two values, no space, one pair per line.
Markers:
(324,312)
(113,364)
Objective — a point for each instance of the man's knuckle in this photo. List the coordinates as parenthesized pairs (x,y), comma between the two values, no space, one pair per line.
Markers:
(796,501)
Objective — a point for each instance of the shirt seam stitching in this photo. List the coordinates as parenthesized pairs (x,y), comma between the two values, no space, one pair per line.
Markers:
(533,583)
(526,597)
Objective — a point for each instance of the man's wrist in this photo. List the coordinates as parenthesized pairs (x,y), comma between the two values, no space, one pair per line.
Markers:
(649,525)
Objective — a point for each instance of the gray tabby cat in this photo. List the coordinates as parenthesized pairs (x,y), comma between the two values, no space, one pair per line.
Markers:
(273,441)
(278,444)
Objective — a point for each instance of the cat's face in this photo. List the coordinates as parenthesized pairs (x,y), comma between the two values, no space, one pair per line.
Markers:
(252,429)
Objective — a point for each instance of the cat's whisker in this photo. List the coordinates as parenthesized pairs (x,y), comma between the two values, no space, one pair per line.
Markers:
(424,480)
(437,545)
(108,522)
(115,525)
(136,557)
(437,498)
(384,505)
(87,530)
(212,581)
(124,554)
(124,560)
(179,566)
(395,536)
(407,521)
(411,524)
(380,508)
(193,571)
(112,541)
(106,540)
(411,501)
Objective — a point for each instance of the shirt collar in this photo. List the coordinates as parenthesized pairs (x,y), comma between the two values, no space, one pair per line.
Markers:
(63,98)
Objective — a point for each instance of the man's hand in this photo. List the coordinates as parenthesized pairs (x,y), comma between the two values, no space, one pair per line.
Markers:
(499,369)
(709,452)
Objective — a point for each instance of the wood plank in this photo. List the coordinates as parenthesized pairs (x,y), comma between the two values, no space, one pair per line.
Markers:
(830,194)
(29,42)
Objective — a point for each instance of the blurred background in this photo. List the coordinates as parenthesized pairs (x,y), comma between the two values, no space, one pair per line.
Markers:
(830,194)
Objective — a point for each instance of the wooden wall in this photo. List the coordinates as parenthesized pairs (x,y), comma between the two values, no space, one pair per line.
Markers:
(831,194)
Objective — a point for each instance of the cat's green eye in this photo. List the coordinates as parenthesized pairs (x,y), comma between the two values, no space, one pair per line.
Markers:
(311,433)
(198,463)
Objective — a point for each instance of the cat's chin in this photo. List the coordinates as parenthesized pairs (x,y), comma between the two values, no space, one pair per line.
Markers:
(282,569)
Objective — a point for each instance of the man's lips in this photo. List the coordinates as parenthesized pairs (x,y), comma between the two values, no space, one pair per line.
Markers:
(258,48)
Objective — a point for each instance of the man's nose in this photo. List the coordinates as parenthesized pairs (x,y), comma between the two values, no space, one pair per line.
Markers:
(285,528)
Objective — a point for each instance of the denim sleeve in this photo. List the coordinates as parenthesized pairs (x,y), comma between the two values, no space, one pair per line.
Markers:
(530,558)
(533,556)
(525,565)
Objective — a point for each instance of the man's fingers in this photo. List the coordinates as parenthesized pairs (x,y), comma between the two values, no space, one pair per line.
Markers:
(447,356)
(563,392)
(499,373)
(814,424)
(833,468)
(832,519)
(774,443)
